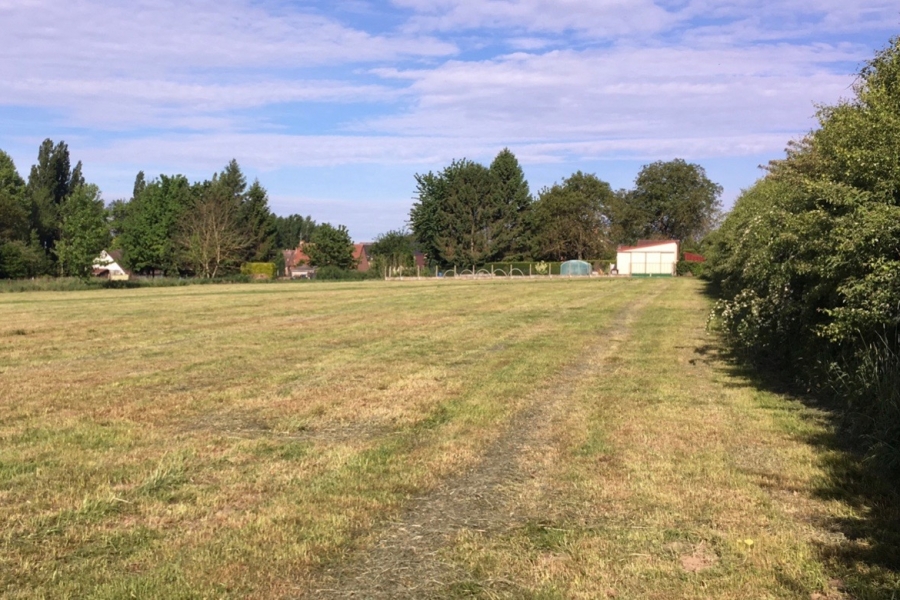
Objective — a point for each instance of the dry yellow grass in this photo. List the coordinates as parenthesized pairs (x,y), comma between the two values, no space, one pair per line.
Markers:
(265,440)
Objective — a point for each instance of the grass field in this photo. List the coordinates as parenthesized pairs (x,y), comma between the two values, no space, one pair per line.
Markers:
(535,439)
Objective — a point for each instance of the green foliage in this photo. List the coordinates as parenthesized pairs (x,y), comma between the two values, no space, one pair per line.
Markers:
(84,231)
(259,270)
(14,210)
(397,245)
(512,197)
(424,215)
(293,229)
(470,214)
(211,237)
(695,269)
(676,200)
(151,223)
(393,251)
(48,186)
(807,263)
(258,223)
(466,217)
(569,221)
(19,259)
(331,247)
(334,273)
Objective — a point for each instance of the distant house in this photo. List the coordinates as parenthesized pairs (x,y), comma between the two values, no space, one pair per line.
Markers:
(296,264)
(362,257)
(108,265)
(648,258)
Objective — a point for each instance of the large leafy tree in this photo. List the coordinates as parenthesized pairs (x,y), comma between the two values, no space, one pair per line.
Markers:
(569,220)
(469,214)
(21,254)
(84,231)
(467,218)
(331,247)
(425,214)
(14,213)
(393,249)
(151,222)
(676,200)
(211,236)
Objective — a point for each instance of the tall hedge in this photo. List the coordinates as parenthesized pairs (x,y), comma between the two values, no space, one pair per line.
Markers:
(259,270)
(808,262)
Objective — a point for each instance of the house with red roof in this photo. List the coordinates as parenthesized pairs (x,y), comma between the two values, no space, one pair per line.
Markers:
(361,256)
(296,264)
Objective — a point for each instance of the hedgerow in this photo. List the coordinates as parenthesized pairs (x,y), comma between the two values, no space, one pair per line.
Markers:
(807,264)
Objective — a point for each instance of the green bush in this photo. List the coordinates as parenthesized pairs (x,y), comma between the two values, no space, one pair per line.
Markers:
(696,269)
(265,270)
(332,273)
(74,284)
(807,261)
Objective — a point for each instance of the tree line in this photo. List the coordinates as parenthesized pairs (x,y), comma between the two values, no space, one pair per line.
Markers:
(808,261)
(57,224)
(471,214)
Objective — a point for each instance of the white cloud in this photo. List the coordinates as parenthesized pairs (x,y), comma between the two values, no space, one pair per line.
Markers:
(662,93)
(131,103)
(268,152)
(78,37)
(581,80)
(605,18)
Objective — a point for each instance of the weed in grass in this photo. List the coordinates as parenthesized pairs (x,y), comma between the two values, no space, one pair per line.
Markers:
(546,537)
(165,479)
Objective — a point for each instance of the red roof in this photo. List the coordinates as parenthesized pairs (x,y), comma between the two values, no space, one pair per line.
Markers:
(293,258)
(691,257)
(361,256)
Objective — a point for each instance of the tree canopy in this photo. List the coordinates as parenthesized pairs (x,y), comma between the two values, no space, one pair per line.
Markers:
(569,220)
(472,214)
(331,246)
(675,200)
(84,231)
(51,223)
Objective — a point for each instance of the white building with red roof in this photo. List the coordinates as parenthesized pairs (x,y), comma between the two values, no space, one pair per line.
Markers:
(648,258)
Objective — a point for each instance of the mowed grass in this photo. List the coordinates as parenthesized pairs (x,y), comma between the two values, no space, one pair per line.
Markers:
(199,442)
(234,441)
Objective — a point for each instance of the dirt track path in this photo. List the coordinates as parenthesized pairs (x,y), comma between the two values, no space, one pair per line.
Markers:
(406,560)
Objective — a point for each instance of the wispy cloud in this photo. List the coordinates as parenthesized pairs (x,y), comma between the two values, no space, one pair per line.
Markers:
(661,92)
(186,85)
(606,18)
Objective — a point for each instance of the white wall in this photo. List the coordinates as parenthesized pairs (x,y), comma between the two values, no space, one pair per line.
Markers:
(652,260)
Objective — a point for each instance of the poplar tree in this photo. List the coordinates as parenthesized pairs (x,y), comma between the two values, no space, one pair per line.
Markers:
(48,185)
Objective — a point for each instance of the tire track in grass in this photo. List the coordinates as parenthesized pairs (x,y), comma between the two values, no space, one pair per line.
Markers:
(406,560)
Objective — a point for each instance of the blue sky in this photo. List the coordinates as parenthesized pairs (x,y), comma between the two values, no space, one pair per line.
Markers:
(335,106)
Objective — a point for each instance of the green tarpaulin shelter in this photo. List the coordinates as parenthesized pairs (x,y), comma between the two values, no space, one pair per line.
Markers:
(575,267)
